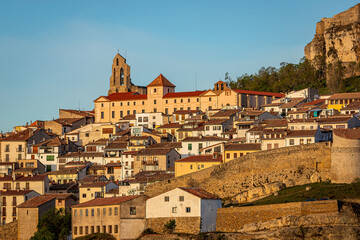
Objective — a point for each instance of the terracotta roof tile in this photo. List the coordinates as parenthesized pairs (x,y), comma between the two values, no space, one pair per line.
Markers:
(161,81)
(199,192)
(95,184)
(225,113)
(301,133)
(14,192)
(129,117)
(271,94)
(20,136)
(170,125)
(347,133)
(243,146)
(37,201)
(334,120)
(352,106)
(153,151)
(126,96)
(107,201)
(216,121)
(116,145)
(204,139)
(183,94)
(355,95)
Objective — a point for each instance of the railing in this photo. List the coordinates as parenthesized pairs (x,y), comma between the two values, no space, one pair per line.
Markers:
(19,149)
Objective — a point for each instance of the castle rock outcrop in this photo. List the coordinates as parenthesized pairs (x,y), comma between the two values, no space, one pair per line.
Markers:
(338,38)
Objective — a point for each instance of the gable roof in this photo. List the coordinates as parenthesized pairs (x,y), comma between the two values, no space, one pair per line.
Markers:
(225,113)
(199,192)
(344,96)
(37,201)
(123,96)
(347,133)
(20,136)
(107,201)
(183,94)
(161,81)
(154,151)
(243,146)
(301,133)
(271,94)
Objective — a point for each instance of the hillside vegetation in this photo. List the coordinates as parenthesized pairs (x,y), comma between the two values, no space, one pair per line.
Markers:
(318,191)
(290,76)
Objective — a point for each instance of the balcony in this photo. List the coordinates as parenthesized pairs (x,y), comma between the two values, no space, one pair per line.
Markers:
(150,163)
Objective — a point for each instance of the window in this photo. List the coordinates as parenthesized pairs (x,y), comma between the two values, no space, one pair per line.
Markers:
(140,119)
(7,157)
(104,211)
(209,99)
(113,114)
(86,229)
(174,210)
(227,155)
(134,103)
(116,229)
(200,145)
(7,148)
(84,195)
(174,100)
(104,229)
(235,155)
(81,230)
(75,213)
(128,103)
(81,212)
(92,212)
(75,231)
(210,107)
(110,229)
(112,104)
(92,230)
(154,90)
(189,146)
(143,111)
(110,211)
(128,112)
(188,99)
(197,99)
(155,101)
(308,140)
(166,101)
(181,198)
(116,211)
(97,229)
(134,111)
(50,158)
(166,199)
(143,103)
(132,210)
(188,209)
(155,110)
(102,115)
(191,167)
(292,142)
(86,212)
(27,186)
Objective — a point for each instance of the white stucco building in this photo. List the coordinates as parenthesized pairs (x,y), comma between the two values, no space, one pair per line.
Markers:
(197,204)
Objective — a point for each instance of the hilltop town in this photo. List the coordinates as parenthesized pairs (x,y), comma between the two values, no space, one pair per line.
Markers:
(149,157)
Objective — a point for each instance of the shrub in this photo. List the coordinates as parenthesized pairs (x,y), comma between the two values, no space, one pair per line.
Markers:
(170,226)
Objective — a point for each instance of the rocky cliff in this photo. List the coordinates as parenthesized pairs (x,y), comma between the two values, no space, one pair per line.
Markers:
(338,38)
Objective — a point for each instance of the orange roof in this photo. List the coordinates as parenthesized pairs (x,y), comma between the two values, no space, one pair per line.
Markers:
(272,94)
(199,192)
(107,201)
(161,81)
(126,96)
(348,133)
(183,94)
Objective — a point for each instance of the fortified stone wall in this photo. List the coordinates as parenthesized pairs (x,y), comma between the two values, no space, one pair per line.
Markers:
(189,225)
(258,174)
(234,219)
(345,156)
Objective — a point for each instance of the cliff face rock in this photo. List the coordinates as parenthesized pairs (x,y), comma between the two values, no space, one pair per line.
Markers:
(337,38)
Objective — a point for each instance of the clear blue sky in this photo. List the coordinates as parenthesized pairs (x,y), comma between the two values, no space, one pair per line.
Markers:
(58,54)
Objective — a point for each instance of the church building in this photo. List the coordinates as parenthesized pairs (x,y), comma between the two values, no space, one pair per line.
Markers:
(125,98)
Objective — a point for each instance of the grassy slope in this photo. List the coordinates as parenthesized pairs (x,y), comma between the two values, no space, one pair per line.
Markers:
(318,191)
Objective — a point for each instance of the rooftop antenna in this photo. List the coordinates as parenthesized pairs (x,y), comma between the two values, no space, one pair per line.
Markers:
(79,106)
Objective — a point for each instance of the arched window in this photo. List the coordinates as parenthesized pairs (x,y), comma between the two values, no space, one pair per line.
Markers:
(117,62)
(121,76)
(222,86)
(217,86)
(114,77)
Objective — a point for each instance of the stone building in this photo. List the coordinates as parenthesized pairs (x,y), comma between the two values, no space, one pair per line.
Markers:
(120,80)
(159,96)
(345,155)
(10,200)
(122,217)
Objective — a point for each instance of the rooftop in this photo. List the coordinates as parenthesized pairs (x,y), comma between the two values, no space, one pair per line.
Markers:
(107,201)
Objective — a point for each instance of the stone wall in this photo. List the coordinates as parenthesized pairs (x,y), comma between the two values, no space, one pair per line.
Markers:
(345,156)
(257,174)
(9,231)
(234,219)
(189,225)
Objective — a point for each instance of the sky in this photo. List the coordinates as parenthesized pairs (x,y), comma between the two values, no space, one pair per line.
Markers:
(58,54)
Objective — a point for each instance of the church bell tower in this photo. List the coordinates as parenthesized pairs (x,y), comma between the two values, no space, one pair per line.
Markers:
(120,77)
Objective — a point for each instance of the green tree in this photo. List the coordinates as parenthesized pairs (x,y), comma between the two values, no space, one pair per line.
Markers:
(53,225)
